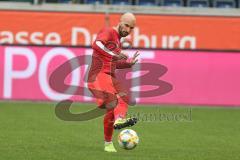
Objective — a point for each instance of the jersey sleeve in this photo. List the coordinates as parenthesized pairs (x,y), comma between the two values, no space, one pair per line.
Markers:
(104,36)
(103,43)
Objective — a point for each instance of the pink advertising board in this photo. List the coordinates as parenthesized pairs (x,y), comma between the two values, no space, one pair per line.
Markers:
(199,78)
(196,78)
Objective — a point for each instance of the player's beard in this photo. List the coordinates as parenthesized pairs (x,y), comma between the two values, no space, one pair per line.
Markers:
(121,32)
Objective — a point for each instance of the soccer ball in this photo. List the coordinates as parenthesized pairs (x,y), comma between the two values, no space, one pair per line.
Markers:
(128,139)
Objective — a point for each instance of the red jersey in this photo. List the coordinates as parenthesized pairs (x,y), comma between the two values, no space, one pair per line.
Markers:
(103,57)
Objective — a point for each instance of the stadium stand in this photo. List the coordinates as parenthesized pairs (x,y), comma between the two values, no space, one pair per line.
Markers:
(147,3)
(198,3)
(173,3)
(16,1)
(224,4)
(120,2)
(94,1)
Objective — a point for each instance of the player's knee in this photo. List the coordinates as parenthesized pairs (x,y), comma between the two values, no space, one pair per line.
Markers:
(124,97)
(121,94)
(112,104)
(127,99)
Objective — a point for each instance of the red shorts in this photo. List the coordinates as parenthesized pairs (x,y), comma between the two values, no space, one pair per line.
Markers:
(105,88)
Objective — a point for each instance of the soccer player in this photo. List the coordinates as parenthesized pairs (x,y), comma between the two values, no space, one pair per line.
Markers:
(109,92)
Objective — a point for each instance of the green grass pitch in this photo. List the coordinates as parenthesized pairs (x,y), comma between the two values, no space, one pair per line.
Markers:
(31,131)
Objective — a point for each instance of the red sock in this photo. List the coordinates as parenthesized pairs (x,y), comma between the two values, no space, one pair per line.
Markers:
(121,109)
(108,125)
